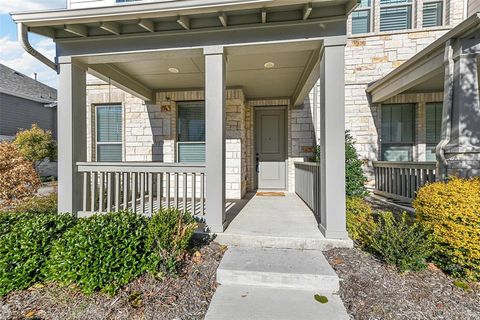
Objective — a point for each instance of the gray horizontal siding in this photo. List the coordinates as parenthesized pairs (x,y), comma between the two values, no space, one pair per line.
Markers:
(18,113)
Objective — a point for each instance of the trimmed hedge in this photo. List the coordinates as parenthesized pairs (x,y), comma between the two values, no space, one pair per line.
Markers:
(360,222)
(451,211)
(25,242)
(102,252)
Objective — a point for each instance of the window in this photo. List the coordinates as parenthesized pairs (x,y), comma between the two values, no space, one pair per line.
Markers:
(432,14)
(361,18)
(191,132)
(395,15)
(398,123)
(433,128)
(109,133)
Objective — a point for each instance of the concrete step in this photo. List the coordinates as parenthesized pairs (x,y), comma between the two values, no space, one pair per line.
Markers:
(302,243)
(234,302)
(281,268)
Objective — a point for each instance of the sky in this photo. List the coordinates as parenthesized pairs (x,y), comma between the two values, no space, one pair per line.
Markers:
(11,52)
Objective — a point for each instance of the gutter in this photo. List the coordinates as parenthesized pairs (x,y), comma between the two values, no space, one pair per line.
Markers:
(447,111)
(23,38)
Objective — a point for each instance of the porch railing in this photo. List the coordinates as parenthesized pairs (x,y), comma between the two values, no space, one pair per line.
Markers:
(401,180)
(142,187)
(307,184)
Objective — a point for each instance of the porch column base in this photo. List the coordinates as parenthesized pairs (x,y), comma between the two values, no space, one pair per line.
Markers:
(333,234)
(218,228)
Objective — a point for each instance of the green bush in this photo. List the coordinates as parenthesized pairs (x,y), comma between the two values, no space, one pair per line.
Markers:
(401,242)
(360,222)
(102,252)
(354,176)
(37,204)
(451,211)
(169,233)
(25,242)
(36,144)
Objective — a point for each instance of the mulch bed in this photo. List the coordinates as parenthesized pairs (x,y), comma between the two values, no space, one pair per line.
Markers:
(372,290)
(181,298)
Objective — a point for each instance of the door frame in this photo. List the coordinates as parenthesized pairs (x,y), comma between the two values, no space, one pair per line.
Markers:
(284,108)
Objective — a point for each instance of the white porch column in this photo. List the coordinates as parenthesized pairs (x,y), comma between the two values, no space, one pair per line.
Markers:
(332,141)
(215,93)
(72,139)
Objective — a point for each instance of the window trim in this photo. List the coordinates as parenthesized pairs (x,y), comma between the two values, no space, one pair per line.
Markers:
(95,139)
(177,140)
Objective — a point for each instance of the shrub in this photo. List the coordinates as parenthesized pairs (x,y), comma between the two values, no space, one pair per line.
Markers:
(36,144)
(401,242)
(102,252)
(354,176)
(18,178)
(451,211)
(37,204)
(25,242)
(169,233)
(360,222)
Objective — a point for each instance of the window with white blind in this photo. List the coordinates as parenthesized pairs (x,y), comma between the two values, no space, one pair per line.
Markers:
(361,17)
(191,132)
(109,132)
(395,15)
(433,124)
(432,14)
(398,127)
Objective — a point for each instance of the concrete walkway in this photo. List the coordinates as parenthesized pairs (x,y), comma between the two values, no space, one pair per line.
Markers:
(266,272)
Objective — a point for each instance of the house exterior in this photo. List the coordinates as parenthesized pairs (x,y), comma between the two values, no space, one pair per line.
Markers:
(247,67)
(23,102)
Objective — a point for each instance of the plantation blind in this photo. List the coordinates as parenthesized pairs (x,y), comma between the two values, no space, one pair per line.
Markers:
(432,14)
(191,131)
(361,18)
(434,122)
(395,15)
(109,132)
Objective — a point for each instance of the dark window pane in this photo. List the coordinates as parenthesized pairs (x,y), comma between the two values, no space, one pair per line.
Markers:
(361,22)
(386,2)
(434,122)
(396,153)
(398,123)
(191,122)
(109,152)
(364,4)
(432,14)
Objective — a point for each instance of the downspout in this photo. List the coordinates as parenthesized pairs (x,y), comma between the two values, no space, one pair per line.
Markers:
(447,111)
(23,38)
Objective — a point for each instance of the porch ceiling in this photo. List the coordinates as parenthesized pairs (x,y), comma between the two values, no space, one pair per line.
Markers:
(245,68)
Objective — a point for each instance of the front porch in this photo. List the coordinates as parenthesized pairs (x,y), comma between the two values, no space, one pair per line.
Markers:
(266,57)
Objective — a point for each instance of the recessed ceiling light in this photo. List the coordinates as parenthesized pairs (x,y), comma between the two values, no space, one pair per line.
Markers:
(173,70)
(269,65)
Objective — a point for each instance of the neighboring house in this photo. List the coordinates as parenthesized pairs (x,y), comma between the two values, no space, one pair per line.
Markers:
(23,102)
(206,100)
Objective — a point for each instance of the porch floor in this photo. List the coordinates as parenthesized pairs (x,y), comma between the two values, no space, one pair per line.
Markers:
(276,221)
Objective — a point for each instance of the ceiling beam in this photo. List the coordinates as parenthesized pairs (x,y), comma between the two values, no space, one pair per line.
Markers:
(223,19)
(111,27)
(112,74)
(309,77)
(184,22)
(307,10)
(147,25)
(264,15)
(76,29)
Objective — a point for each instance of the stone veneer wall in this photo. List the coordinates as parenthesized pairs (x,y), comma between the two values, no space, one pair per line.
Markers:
(371,56)
(150,129)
